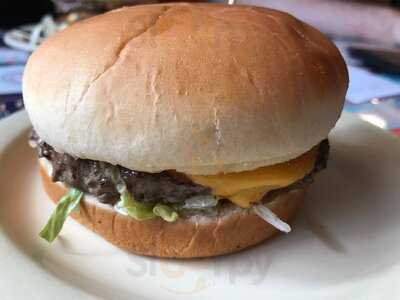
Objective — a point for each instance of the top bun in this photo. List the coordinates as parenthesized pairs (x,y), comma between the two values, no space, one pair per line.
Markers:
(200,88)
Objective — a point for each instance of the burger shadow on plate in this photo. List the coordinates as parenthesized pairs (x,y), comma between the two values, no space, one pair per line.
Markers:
(16,174)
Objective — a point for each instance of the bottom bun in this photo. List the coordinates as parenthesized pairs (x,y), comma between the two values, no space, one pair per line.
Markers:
(231,229)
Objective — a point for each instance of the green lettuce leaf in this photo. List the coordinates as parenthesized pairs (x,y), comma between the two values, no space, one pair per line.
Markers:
(165,212)
(63,209)
(135,209)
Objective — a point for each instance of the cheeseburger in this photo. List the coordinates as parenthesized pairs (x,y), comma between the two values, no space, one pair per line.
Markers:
(182,130)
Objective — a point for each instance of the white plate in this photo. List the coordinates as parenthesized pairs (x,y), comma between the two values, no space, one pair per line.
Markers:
(345,243)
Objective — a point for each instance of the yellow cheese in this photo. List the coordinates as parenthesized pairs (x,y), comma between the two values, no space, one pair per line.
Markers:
(244,188)
(246,197)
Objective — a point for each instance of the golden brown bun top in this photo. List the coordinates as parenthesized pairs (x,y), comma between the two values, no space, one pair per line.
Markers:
(200,88)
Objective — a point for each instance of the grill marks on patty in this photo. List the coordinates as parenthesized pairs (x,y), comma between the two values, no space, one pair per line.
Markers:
(95,177)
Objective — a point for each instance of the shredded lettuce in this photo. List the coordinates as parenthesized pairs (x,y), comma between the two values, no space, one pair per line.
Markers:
(268,216)
(144,211)
(165,212)
(200,202)
(120,184)
(127,205)
(137,210)
(64,207)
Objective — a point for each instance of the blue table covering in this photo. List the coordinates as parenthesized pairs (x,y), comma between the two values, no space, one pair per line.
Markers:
(12,64)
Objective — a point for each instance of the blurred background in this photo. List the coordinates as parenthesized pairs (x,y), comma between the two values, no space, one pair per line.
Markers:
(366,32)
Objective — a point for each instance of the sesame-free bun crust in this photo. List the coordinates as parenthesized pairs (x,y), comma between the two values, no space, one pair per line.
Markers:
(199,88)
(232,230)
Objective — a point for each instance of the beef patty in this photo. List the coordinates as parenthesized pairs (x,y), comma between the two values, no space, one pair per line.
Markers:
(96,177)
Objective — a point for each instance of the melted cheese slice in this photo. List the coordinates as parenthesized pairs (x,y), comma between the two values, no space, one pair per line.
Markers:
(244,188)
